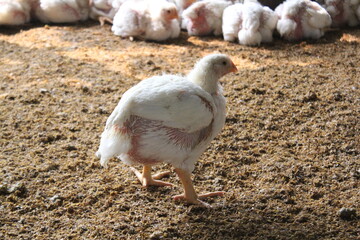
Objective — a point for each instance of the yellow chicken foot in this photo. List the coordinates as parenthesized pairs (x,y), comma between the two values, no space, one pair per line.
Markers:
(103,20)
(147,179)
(189,192)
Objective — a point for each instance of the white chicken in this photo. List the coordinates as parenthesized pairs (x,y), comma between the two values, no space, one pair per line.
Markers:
(250,22)
(104,10)
(169,119)
(60,11)
(342,12)
(144,19)
(14,12)
(357,9)
(205,17)
(301,19)
(181,5)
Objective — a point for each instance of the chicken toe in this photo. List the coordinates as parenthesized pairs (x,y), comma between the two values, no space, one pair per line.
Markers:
(189,192)
(146,179)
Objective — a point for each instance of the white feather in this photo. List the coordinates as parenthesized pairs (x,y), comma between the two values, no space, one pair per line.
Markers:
(211,10)
(250,22)
(104,8)
(62,11)
(232,21)
(343,12)
(175,102)
(301,19)
(144,19)
(14,12)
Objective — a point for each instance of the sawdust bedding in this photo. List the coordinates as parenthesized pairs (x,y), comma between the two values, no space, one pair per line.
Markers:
(288,157)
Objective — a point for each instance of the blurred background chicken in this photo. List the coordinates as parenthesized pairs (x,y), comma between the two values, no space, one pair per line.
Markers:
(357,9)
(342,12)
(301,19)
(250,23)
(14,12)
(60,11)
(144,19)
(181,5)
(205,17)
(104,10)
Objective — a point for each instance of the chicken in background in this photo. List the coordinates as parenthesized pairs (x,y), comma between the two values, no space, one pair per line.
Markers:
(205,17)
(145,20)
(169,119)
(301,19)
(104,10)
(342,12)
(250,23)
(181,5)
(14,12)
(60,11)
(357,9)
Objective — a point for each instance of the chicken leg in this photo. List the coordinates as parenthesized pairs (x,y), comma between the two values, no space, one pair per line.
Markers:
(189,192)
(103,20)
(147,179)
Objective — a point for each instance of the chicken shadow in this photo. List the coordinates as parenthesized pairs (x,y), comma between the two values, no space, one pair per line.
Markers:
(331,36)
(235,221)
(12,30)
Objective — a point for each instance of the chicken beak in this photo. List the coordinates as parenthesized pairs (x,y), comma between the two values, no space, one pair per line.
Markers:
(233,68)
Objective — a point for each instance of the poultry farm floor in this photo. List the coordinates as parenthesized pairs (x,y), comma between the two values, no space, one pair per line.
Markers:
(288,157)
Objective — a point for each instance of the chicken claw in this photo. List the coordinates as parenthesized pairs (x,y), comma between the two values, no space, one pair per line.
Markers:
(190,195)
(146,179)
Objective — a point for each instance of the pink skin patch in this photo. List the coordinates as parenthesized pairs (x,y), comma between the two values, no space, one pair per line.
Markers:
(122,130)
(239,26)
(206,103)
(34,6)
(136,127)
(339,19)
(137,20)
(199,25)
(298,33)
(72,11)
(19,15)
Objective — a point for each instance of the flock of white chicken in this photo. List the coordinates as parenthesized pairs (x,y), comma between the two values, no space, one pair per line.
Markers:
(247,21)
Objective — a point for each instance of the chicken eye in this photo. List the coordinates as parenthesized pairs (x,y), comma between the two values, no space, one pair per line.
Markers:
(224,63)
(168,11)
